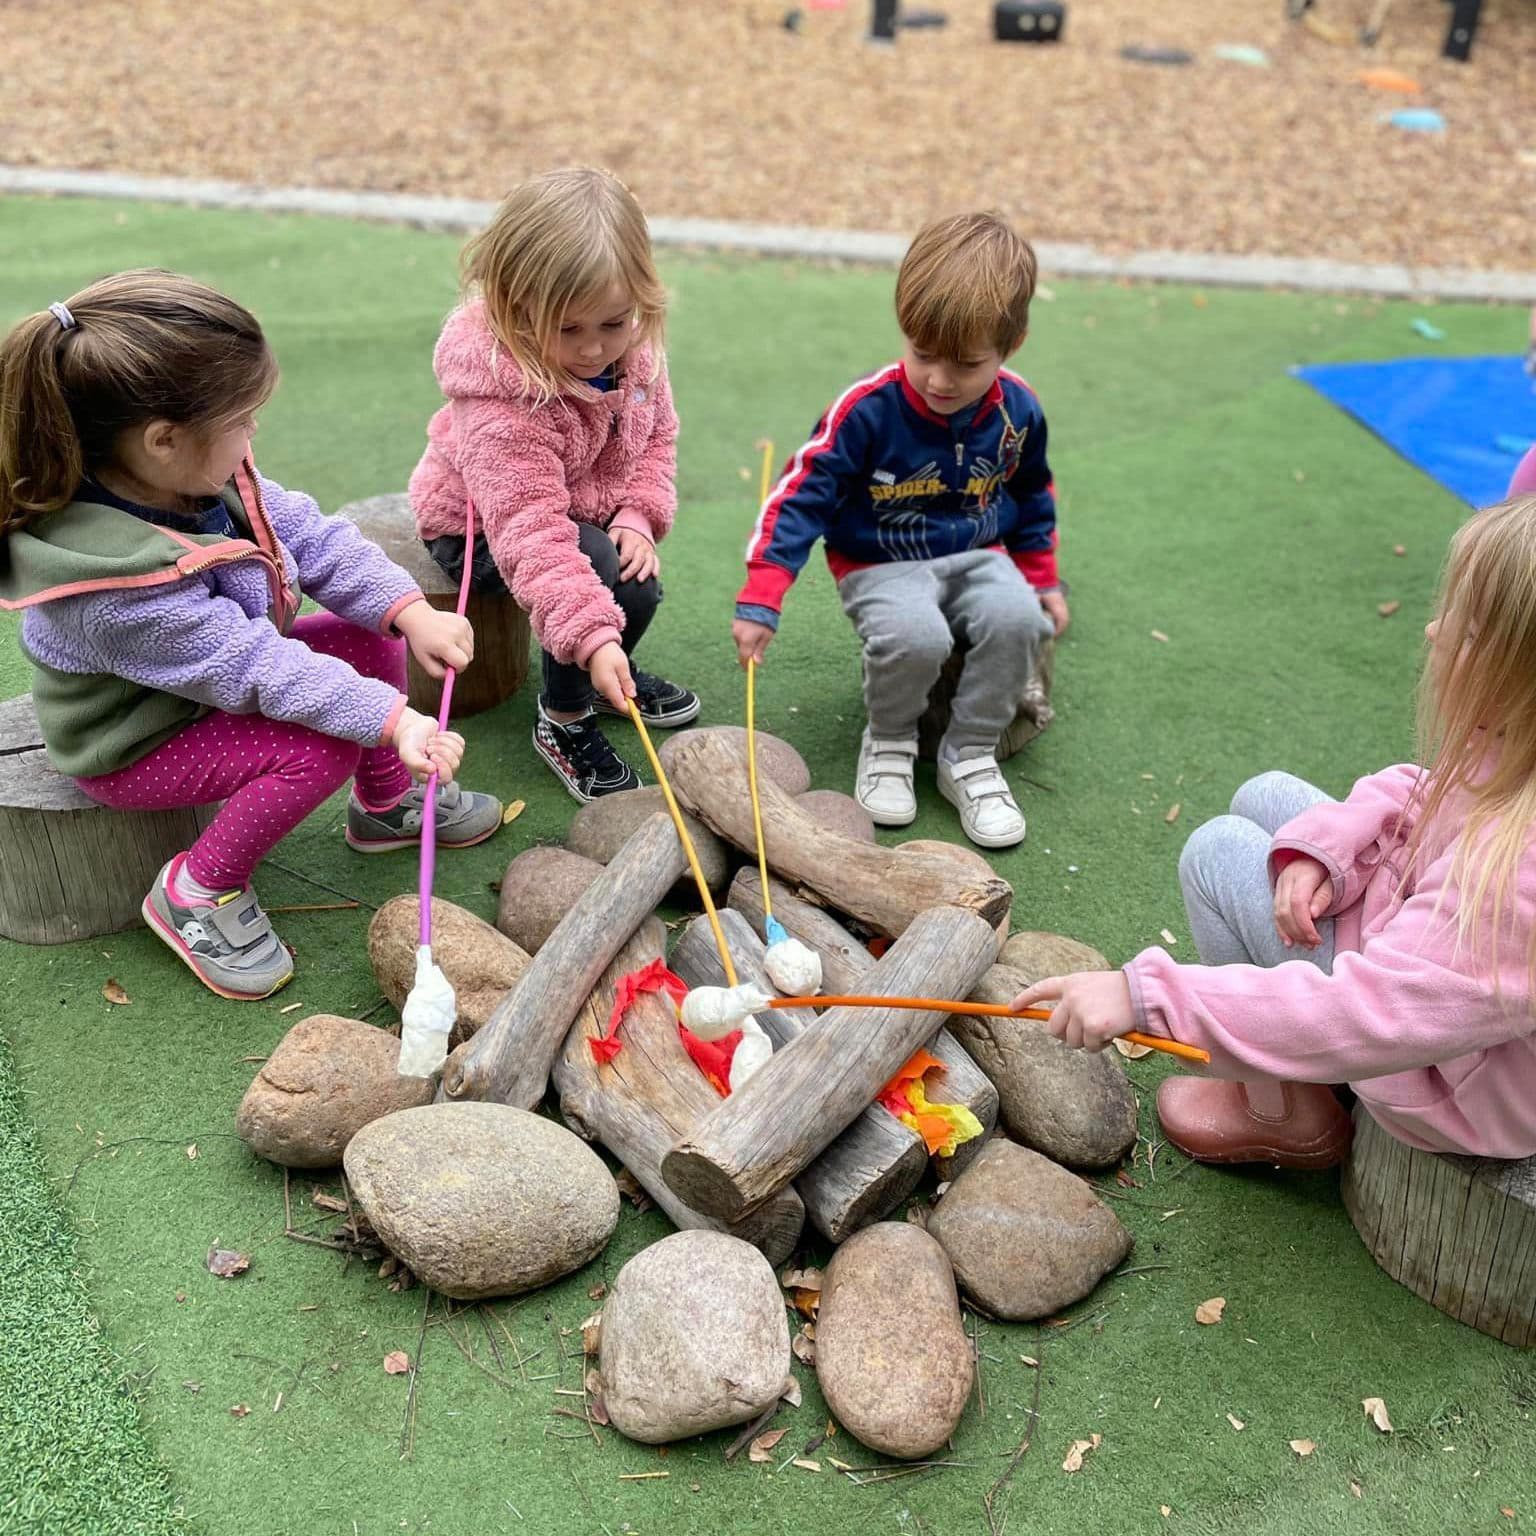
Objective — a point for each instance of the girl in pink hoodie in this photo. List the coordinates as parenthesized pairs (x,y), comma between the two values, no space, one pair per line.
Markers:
(559,427)
(1388,940)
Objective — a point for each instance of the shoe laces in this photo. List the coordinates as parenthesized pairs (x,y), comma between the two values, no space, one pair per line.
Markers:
(588,748)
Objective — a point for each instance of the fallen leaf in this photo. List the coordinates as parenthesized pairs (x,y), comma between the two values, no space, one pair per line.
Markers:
(804,1349)
(1354,1488)
(113,992)
(1169,938)
(1178,1210)
(1376,1409)
(1164,1510)
(1386,610)
(1157,634)
(226,1263)
(1130,1050)
(1080,1448)
(181,1296)
(1030,1361)
(764,1443)
(806,1302)
(1303,1447)
(842,1466)
(1210,1311)
(1124,1180)
(597,1411)
(396,1363)
(1236,1422)
(592,1385)
(598,1291)
(592,1334)
(791,1393)
(631,1188)
(324,1202)
(239,1411)
(291,1008)
(806,1464)
(513,811)
(192,1153)
(1173,813)
(194,1387)
(1506,1511)
(801,1279)
(1399,549)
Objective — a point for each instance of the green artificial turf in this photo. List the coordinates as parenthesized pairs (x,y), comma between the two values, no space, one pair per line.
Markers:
(1205,496)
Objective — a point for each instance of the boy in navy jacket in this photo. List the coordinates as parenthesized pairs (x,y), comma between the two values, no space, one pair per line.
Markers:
(928,482)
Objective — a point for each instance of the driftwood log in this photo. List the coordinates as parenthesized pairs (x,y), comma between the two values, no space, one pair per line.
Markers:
(651,1093)
(845,967)
(501,627)
(1031,719)
(509,1059)
(806,1094)
(877,1162)
(70,868)
(880,888)
(1458,1231)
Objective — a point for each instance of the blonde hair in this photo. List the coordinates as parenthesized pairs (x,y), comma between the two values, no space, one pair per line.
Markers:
(560,240)
(966,282)
(1477,722)
(140,346)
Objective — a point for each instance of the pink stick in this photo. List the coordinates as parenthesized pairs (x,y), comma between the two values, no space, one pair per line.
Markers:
(429,812)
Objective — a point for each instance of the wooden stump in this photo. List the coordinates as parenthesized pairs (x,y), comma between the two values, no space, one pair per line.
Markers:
(1458,1231)
(877,1162)
(501,627)
(1027,724)
(651,1093)
(70,868)
(806,1094)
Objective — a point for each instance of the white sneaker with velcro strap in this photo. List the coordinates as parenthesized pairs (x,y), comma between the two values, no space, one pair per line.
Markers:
(884,785)
(975,786)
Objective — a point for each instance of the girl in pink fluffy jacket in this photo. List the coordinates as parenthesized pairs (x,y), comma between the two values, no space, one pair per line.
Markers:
(1387,940)
(559,427)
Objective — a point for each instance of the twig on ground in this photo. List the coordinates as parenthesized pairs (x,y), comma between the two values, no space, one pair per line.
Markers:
(159,1141)
(1140,1269)
(996,1526)
(318,906)
(320,885)
(753,1430)
(408,1426)
(981,1390)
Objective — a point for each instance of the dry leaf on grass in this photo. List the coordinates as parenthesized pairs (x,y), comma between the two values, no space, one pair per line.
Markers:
(1169,938)
(226,1263)
(513,811)
(1506,1511)
(801,1279)
(806,1303)
(1173,812)
(396,1363)
(1157,634)
(192,1153)
(1030,1361)
(791,1393)
(598,1291)
(324,1202)
(194,1387)
(762,1447)
(806,1464)
(1210,1311)
(631,1188)
(239,1411)
(1164,1510)
(591,1333)
(113,992)
(804,1348)
(1080,1448)
(1386,610)
(1236,1422)
(1303,1447)
(1376,1410)
(1399,549)
(1130,1050)
(1354,1488)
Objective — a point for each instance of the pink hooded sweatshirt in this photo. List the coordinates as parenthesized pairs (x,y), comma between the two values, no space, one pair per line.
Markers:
(535,471)
(1437,1046)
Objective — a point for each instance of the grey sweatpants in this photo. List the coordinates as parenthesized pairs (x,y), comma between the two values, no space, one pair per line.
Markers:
(1224,872)
(911,614)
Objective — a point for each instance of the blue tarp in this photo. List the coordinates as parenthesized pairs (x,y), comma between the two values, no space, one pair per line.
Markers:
(1462,420)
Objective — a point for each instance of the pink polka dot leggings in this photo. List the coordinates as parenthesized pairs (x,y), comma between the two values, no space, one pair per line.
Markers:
(270,773)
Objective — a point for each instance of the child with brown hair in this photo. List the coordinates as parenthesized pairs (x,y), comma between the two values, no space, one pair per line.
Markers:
(929,483)
(160,581)
(560,429)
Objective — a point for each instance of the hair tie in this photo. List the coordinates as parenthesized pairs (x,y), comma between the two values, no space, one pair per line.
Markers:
(60,312)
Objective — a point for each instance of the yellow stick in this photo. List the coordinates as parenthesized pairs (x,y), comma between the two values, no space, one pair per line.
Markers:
(686,841)
(757,809)
(767,446)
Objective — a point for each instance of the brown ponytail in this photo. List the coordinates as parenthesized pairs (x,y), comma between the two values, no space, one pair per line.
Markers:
(144,346)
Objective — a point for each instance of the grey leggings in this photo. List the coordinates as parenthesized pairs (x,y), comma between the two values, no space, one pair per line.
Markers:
(1224,872)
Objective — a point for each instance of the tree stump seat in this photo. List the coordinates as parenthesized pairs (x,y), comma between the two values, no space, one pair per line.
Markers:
(1027,724)
(1458,1231)
(502,635)
(70,868)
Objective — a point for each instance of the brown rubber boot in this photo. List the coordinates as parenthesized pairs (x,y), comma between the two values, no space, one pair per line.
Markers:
(1293,1125)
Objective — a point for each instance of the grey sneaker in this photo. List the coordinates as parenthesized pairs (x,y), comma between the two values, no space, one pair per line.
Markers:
(229,945)
(464,818)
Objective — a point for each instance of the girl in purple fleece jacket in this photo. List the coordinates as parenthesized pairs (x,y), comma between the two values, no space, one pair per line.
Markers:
(160,581)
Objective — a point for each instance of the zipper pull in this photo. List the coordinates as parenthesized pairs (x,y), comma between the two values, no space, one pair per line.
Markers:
(959,454)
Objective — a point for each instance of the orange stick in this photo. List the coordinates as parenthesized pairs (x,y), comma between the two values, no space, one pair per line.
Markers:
(982,1010)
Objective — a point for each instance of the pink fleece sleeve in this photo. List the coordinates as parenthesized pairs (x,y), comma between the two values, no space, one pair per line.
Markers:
(1412,998)
(651,491)
(512,467)
(1350,837)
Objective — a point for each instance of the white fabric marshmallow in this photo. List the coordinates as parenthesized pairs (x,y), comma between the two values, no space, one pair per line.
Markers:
(711,1013)
(752,1051)
(426,1019)
(793,968)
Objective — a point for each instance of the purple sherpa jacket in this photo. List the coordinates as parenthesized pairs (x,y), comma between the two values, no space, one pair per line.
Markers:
(537,470)
(217,636)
